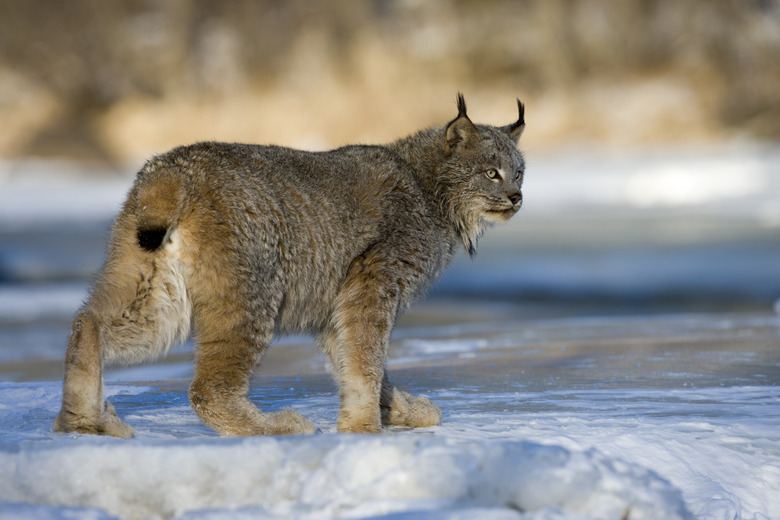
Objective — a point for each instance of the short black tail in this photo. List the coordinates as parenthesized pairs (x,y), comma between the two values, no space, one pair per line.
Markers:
(159,198)
(151,239)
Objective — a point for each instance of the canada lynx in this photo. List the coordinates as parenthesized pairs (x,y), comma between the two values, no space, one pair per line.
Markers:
(246,242)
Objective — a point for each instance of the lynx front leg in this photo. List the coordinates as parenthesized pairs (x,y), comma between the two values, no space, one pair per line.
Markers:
(400,408)
(357,360)
(356,343)
(83,408)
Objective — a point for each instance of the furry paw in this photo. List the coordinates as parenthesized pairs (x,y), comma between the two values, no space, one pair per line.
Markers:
(367,422)
(107,423)
(410,410)
(287,422)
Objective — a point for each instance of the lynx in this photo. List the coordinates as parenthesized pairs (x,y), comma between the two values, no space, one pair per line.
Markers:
(240,243)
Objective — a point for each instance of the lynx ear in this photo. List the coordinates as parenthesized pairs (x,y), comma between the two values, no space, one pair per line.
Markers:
(515,130)
(460,131)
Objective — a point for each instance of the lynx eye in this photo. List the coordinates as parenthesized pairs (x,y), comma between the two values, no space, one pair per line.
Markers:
(492,174)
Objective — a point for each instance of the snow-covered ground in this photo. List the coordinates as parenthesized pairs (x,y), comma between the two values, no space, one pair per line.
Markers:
(613,352)
(664,417)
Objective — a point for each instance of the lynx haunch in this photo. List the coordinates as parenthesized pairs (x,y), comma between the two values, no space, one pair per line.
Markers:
(241,243)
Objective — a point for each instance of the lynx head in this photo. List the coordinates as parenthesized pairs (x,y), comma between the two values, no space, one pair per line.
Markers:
(482,173)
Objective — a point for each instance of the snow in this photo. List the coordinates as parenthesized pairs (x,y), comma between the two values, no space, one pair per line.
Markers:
(324,476)
(330,477)
(19,303)
(42,192)
(662,417)
(567,416)
(711,453)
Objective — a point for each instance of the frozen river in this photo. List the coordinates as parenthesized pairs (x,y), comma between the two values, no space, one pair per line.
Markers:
(612,353)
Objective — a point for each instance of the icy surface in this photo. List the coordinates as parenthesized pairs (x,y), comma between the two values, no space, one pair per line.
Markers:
(709,452)
(331,476)
(325,476)
(645,417)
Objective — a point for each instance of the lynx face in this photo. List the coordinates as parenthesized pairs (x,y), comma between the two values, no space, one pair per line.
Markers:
(485,170)
(497,178)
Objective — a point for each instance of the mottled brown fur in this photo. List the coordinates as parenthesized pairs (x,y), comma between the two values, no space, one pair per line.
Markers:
(243,243)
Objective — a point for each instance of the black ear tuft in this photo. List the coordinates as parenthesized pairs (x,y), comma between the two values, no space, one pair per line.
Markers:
(460,132)
(515,130)
(521,112)
(461,105)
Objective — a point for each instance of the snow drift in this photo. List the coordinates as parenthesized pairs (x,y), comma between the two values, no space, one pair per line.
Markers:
(332,476)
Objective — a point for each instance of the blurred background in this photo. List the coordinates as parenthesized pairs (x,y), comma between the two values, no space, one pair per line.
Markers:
(116,81)
(652,138)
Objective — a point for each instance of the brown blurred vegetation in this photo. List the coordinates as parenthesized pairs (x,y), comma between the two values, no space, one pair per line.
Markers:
(118,80)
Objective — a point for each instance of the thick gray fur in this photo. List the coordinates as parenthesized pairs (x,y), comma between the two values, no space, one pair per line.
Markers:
(244,242)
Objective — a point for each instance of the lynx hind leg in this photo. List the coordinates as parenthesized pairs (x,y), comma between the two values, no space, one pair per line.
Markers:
(219,396)
(83,408)
(138,309)
(226,355)
(400,408)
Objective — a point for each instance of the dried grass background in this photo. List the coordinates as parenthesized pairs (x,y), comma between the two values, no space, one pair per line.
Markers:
(117,81)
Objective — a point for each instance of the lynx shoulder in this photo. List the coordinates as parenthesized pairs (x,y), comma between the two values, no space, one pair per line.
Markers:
(241,243)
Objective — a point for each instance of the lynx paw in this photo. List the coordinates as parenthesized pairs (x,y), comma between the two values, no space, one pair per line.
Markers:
(367,422)
(410,410)
(287,422)
(107,423)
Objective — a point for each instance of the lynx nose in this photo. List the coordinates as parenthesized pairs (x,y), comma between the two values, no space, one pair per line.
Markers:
(516,198)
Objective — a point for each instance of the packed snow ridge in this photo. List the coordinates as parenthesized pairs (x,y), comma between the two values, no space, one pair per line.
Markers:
(332,476)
